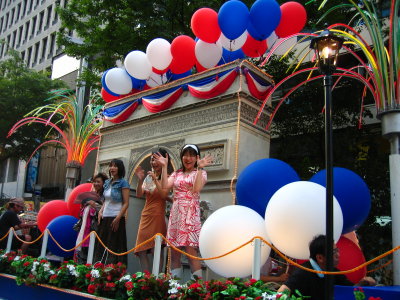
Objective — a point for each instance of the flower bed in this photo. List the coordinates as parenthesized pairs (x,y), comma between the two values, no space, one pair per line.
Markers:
(112,281)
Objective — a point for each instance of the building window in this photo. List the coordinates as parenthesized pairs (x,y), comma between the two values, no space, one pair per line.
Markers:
(23,55)
(26,31)
(19,40)
(52,44)
(14,36)
(24,9)
(3,170)
(48,17)
(1,23)
(33,26)
(18,13)
(12,17)
(12,170)
(41,16)
(6,22)
(35,58)
(44,49)
(28,59)
(29,6)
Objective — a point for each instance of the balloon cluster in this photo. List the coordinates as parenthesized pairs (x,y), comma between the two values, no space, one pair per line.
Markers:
(294,213)
(59,217)
(232,33)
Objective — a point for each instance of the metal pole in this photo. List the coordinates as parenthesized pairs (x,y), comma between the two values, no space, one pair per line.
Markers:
(10,239)
(329,282)
(156,256)
(255,272)
(91,248)
(44,243)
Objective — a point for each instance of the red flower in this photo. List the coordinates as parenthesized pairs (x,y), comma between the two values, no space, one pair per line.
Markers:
(110,284)
(252,280)
(91,288)
(145,287)
(88,275)
(43,261)
(88,265)
(129,285)
(53,277)
(109,278)
(27,263)
(23,256)
(134,276)
(374,298)
(98,265)
(195,285)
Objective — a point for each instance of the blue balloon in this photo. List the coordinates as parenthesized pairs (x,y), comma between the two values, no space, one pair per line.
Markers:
(254,33)
(138,83)
(233,17)
(61,229)
(228,56)
(103,83)
(173,76)
(352,193)
(264,18)
(260,180)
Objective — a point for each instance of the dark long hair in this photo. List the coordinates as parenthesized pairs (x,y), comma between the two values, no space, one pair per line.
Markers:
(120,165)
(188,148)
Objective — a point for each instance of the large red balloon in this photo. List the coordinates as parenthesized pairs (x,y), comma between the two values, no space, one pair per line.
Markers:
(74,208)
(50,211)
(351,256)
(293,19)
(108,97)
(205,25)
(254,48)
(183,56)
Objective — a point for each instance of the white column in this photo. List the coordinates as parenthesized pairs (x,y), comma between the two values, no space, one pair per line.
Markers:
(255,272)
(157,254)
(44,243)
(91,248)
(10,240)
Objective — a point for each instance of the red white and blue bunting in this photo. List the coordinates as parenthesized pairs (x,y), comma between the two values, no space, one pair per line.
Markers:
(204,88)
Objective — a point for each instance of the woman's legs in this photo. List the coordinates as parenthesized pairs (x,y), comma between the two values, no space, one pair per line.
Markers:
(195,264)
(176,270)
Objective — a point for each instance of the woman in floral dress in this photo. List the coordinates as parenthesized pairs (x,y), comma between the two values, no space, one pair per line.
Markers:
(184,221)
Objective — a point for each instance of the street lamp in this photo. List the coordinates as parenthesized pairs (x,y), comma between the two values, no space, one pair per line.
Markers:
(326,47)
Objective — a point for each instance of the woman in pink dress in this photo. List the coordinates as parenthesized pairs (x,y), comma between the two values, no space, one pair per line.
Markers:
(184,221)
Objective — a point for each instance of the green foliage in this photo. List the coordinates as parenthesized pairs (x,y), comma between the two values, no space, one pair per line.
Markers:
(21,90)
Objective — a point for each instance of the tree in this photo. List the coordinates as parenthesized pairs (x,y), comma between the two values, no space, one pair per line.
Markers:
(110,29)
(21,90)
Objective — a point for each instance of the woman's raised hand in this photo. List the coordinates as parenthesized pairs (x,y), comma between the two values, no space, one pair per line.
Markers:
(139,172)
(205,161)
(163,161)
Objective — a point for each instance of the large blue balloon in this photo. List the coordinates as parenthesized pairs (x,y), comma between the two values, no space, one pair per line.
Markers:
(264,18)
(233,17)
(228,56)
(352,194)
(61,229)
(260,180)
(137,83)
(103,83)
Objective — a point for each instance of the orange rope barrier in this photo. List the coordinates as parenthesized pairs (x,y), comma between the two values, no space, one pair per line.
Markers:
(288,260)
(6,235)
(25,242)
(381,267)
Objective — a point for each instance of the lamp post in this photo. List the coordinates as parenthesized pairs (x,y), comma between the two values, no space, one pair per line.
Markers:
(326,47)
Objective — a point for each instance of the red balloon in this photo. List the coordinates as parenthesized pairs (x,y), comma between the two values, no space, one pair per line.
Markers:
(74,208)
(254,48)
(160,72)
(108,97)
(351,256)
(293,19)
(50,211)
(183,56)
(205,25)
(199,67)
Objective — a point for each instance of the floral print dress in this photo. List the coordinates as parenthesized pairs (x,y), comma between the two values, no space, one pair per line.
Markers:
(184,222)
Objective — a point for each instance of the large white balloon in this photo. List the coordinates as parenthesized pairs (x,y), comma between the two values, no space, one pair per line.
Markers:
(159,53)
(137,64)
(226,229)
(296,213)
(233,45)
(118,81)
(156,79)
(208,54)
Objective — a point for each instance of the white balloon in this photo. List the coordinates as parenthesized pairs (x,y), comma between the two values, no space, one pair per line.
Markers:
(118,81)
(159,53)
(226,229)
(156,79)
(208,55)
(233,45)
(296,213)
(137,64)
